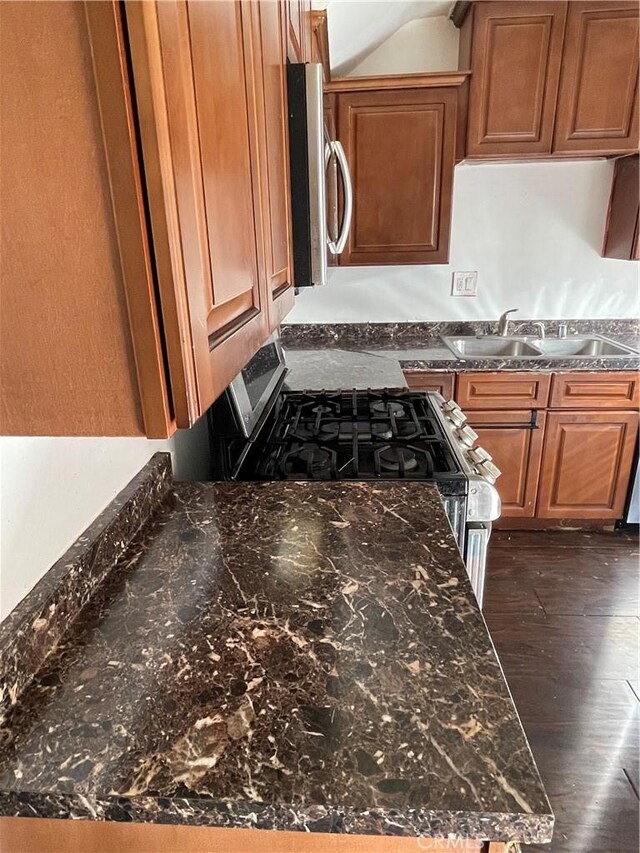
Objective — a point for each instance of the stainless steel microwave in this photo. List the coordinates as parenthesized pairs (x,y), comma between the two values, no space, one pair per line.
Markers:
(312,154)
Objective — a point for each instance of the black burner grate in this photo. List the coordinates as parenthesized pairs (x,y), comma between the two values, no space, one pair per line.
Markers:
(357,435)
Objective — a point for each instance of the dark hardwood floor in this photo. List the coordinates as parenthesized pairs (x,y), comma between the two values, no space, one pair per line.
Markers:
(562,609)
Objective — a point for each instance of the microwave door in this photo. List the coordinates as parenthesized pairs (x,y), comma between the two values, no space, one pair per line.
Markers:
(317,166)
(307,168)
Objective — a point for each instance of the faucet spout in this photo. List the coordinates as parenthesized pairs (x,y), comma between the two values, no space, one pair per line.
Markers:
(503,322)
(540,329)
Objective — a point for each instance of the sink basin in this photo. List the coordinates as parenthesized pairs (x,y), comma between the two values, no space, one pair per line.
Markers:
(488,346)
(581,346)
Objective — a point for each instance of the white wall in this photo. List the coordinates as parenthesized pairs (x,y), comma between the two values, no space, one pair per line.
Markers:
(419,46)
(534,233)
(356,27)
(51,489)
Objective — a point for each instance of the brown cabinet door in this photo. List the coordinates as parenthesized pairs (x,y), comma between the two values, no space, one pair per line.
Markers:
(586,464)
(268,22)
(400,145)
(199,125)
(515,62)
(598,98)
(514,439)
(621,232)
(503,390)
(613,390)
(298,14)
(423,380)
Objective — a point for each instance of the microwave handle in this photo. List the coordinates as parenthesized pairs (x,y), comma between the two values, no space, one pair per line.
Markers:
(334,147)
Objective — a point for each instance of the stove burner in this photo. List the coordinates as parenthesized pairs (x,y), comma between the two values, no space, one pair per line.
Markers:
(320,460)
(382,430)
(329,432)
(397,459)
(321,410)
(391,407)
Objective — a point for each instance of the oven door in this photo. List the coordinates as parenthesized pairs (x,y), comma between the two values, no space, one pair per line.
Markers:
(475,556)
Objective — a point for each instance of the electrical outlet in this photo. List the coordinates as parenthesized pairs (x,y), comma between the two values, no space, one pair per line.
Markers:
(464,283)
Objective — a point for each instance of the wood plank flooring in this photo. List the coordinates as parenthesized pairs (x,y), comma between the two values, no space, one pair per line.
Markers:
(562,608)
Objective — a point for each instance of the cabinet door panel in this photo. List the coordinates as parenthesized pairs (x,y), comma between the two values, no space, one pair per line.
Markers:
(268,24)
(514,441)
(516,55)
(423,380)
(503,390)
(198,129)
(598,98)
(400,145)
(586,464)
(614,390)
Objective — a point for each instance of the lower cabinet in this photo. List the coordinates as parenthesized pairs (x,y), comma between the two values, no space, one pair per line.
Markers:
(442,383)
(586,464)
(514,439)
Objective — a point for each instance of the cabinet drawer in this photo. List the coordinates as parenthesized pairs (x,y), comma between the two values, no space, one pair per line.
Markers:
(503,390)
(595,390)
(422,380)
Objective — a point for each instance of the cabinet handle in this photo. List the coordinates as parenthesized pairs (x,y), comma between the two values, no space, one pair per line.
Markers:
(334,147)
(533,424)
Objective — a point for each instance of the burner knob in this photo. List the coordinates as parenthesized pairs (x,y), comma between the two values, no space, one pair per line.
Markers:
(479,454)
(489,471)
(457,416)
(467,435)
(450,406)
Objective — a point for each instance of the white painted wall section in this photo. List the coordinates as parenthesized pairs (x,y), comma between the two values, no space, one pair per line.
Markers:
(532,230)
(419,46)
(51,489)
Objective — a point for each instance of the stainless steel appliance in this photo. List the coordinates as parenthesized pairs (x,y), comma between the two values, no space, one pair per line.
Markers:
(311,152)
(260,431)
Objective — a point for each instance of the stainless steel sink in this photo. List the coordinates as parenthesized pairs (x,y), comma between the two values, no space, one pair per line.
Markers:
(491,346)
(582,346)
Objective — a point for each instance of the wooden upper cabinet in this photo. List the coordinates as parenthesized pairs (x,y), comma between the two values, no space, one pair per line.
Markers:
(515,56)
(586,465)
(622,238)
(514,440)
(598,97)
(268,23)
(400,145)
(298,24)
(199,124)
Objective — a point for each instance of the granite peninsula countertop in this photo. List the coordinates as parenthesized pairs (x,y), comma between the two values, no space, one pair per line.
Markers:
(419,346)
(278,655)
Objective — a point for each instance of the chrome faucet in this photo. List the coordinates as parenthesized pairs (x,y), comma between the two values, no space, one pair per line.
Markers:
(540,329)
(503,322)
(562,330)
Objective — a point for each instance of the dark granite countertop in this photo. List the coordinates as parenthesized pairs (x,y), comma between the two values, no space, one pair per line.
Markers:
(279,655)
(419,346)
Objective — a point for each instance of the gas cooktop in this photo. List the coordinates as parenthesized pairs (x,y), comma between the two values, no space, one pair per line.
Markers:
(391,434)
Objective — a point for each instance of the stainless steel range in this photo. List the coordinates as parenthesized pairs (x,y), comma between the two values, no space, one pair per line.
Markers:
(260,432)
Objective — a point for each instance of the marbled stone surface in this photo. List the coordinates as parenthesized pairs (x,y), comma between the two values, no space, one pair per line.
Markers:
(282,655)
(418,346)
(372,334)
(329,368)
(32,631)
